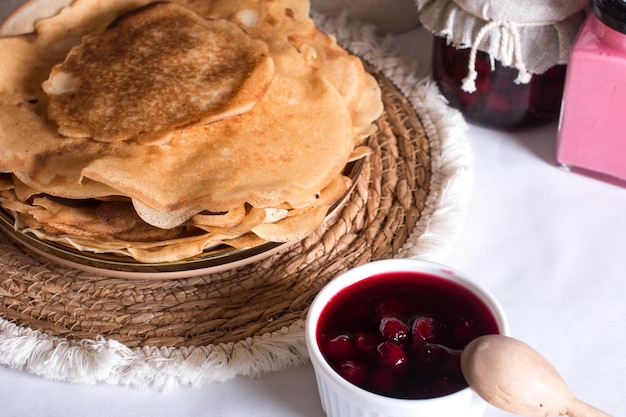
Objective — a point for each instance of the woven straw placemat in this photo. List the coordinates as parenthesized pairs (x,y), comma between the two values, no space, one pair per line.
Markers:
(70,325)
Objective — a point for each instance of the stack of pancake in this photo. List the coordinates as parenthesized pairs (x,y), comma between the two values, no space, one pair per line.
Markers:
(159,130)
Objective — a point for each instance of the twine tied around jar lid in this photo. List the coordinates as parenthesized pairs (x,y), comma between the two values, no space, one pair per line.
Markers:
(531,36)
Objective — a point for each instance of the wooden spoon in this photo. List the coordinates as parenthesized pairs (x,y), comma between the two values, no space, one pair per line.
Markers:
(512,376)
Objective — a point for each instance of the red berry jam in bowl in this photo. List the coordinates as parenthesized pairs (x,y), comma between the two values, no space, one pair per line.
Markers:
(412,324)
(390,334)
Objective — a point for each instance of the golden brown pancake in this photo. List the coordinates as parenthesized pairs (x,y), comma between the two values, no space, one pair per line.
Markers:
(159,68)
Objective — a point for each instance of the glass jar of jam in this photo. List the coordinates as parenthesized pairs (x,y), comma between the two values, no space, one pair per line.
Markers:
(498,101)
(502,63)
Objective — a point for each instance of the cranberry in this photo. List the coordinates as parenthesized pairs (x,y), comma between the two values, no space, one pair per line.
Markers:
(483,68)
(392,356)
(431,356)
(393,329)
(423,330)
(366,342)
(353,371)
(499,102)
(338,347)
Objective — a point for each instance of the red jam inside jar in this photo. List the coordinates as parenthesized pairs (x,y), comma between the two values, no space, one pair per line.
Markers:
(401,334)
(498,100)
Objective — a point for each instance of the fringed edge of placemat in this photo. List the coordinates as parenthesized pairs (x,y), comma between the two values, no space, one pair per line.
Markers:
(108,361)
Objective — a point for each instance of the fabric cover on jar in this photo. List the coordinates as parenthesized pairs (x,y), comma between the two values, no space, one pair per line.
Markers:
(531,36)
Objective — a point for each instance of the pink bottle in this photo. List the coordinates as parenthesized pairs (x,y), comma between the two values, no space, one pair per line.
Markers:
(592,131)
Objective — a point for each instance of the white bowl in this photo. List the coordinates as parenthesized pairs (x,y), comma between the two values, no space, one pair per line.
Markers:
(341,398)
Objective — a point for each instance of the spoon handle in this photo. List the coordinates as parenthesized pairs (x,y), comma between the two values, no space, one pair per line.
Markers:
(581,409)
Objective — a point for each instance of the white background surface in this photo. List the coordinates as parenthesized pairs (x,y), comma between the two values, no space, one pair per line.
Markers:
(549,244)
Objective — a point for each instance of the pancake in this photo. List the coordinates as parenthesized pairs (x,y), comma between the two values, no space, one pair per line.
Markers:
(148,177)
(103,91)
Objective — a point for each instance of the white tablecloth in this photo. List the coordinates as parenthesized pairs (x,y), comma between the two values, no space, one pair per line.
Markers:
(550,244)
